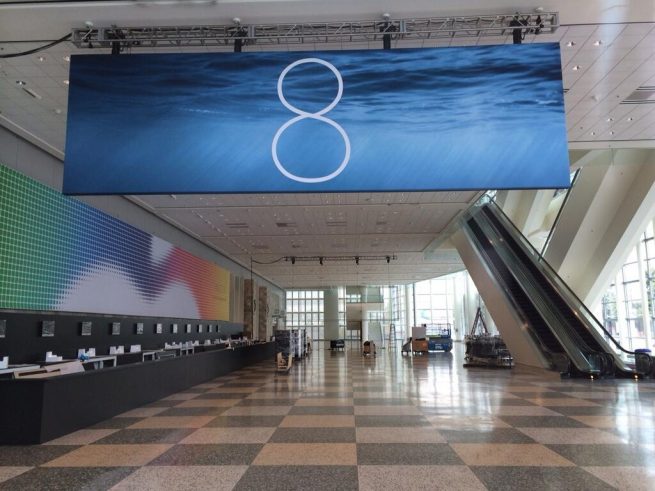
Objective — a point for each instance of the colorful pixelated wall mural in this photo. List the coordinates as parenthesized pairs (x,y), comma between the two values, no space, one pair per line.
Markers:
(59,254)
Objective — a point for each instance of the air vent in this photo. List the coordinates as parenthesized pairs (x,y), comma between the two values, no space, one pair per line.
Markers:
(335,223)
(643,95)
(286,224)
(236,225)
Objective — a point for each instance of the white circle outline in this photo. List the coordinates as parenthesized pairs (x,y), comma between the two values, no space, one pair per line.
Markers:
(304,115)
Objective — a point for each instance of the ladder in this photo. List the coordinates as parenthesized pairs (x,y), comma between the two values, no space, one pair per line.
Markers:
(392,336)
(479,322)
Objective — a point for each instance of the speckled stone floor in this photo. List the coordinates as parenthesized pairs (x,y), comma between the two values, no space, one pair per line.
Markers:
(340,421)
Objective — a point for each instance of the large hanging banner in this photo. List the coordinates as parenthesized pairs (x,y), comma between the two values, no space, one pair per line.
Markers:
(478,117)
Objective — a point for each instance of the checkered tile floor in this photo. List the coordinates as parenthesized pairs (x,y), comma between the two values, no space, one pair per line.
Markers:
(340,421)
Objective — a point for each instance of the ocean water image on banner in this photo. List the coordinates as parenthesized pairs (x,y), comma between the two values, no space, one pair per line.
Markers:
(478,117)
(59,254)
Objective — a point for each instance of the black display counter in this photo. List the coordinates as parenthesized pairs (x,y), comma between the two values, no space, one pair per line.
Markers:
(37,410)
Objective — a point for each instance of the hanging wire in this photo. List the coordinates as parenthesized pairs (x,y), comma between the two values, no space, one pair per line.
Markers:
(36,50)
(267,262)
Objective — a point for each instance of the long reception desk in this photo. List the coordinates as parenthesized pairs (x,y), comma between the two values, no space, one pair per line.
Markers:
(38,410)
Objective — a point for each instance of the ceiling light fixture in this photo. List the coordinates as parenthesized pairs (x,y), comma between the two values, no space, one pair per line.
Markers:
(630,119)
(611,132)
(609,120)
(20,82)
(576,68)
(41,58)
(67,58)
(598,43)
(593,133)
(66,82)
(570,44)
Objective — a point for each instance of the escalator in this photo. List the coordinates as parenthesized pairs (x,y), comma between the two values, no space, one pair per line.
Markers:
(557,318)
(541,334)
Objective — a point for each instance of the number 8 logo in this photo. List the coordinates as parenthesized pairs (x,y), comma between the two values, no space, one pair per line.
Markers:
(305,115)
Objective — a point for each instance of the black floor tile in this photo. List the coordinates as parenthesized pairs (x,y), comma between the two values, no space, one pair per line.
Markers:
(542,422)
(498,435)
(67,478)
(313,435)
(245,421)
(132,436)
(393,421)
(23,455)
(406,454)
(322,410)
(223,454)
(380,401)
(193,411)
(585,410)
(116,423)
(222,395)
(266,402)
(299,478)
(604,455)
(539,479)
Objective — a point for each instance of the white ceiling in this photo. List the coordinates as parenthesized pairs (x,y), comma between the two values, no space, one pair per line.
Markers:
(614,53)
(268,227)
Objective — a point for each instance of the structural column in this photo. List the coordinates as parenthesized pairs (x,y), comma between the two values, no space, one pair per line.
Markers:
(331,313)
(609,207)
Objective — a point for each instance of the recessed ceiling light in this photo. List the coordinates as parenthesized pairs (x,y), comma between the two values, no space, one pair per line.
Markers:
(576,68)
(609,120)
(66,82)
(20,82)
(598,43)
(570,44)
(67,58)
(593,133)
(41,58)
(630,119)
(611,132)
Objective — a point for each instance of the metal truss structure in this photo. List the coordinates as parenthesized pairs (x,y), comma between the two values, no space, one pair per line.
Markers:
(415,29)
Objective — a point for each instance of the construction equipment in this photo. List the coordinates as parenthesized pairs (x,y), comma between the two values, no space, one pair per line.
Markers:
(369,348)
(439,338)
(419,346)
(484,349)
(284,362)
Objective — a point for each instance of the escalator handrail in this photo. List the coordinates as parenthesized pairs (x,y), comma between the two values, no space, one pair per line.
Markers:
(559,212)
(560,320)
(554,273)
(508,296)
(584,359)
(551,355)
